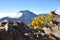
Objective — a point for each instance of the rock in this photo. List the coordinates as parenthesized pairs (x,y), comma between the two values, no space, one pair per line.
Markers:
(56,33)
(55,27)
(6,27)
(56,18)
(47,30)
(12,33)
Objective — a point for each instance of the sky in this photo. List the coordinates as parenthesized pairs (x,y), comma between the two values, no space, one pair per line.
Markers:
(11,7)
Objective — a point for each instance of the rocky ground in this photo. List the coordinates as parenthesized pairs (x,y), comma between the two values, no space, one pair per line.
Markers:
(11,30)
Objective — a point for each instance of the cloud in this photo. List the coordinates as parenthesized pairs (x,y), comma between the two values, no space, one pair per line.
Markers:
(12,15)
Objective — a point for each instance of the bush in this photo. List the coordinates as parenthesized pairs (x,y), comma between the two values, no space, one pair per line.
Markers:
(42,21)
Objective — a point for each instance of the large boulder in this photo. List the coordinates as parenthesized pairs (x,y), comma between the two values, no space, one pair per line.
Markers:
(12,32)
(55,26)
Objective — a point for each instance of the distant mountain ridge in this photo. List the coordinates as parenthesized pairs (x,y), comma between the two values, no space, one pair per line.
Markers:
(27,17)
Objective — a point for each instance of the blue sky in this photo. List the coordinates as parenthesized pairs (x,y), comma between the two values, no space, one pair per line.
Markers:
(36,6)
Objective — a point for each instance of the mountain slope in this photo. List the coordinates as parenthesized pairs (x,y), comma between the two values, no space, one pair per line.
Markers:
(26,17)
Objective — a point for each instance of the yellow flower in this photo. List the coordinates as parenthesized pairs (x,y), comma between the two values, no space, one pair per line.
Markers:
(50,15)
(35,18)
(42,22)
(33,22)
(35,27)
(42,17)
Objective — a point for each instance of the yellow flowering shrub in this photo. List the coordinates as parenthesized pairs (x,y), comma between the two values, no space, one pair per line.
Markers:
(41,21)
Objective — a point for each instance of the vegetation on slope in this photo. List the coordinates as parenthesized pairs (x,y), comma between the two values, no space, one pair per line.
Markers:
(42,21)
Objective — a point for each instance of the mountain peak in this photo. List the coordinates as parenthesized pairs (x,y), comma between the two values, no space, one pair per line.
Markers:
(27,16)
(26,12)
